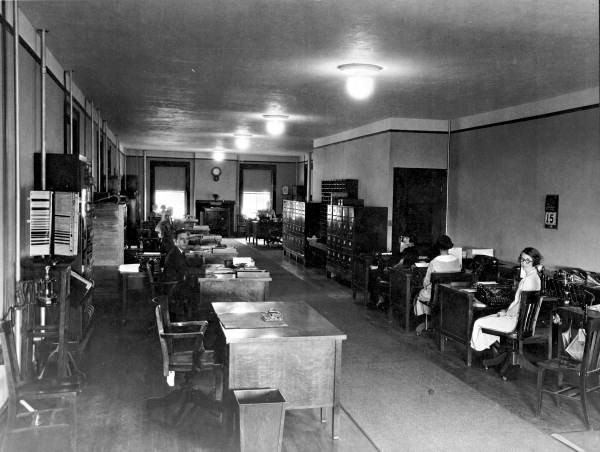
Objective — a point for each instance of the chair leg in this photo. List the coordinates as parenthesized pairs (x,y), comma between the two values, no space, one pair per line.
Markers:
(586,417)
(74,424)
(505,367)
(540,382)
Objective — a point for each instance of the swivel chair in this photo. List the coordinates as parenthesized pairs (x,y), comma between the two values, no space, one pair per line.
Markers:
(524,333)
(585,374)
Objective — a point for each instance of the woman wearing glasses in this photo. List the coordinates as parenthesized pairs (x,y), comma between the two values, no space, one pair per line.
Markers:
(506,320)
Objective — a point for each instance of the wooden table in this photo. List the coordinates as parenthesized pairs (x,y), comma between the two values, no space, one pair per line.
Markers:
(261,229)
(301,359)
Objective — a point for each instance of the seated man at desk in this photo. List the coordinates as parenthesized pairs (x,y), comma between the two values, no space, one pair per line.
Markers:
(178,269)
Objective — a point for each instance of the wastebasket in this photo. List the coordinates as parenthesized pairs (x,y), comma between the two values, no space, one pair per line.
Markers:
(261,416)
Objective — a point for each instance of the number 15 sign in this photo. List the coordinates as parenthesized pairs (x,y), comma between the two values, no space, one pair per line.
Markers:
(551,212)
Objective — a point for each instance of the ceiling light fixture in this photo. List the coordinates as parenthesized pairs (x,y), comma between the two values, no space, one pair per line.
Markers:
(242,141)
(218,156)
(360,83)
(275,124)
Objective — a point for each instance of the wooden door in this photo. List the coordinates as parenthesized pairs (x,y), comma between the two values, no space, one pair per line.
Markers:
(419,205)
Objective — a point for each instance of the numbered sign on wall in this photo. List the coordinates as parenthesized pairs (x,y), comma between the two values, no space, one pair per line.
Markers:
(551,212)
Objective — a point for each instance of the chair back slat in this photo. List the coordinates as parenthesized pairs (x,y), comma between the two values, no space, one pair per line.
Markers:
(163,342)
(530,304)
(591,352)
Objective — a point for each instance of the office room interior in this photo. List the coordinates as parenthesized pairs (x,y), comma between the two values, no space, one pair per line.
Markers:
(136,100)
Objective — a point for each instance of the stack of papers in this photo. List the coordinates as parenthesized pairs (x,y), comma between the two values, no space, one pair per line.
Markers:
(247,261)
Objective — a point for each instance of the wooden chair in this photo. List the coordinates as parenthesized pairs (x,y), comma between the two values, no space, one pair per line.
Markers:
(159,289)
(440,278)
(186,358)
(585,373)
(524,334)
(23,396)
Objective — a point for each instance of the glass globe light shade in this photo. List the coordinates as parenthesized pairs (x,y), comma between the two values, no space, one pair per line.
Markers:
(360,86)
(218,156)
(275,127)
(242,142)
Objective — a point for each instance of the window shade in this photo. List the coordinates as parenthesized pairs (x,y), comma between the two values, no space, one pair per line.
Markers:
(257,180)
(169,178)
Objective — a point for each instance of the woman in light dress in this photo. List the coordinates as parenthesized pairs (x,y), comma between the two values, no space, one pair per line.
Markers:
(443,263)
(506,320)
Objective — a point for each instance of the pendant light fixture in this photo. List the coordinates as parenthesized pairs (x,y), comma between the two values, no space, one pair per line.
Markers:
(360,83)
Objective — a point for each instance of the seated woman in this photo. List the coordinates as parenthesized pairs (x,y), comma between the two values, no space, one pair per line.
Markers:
(506,320)
(408,252)
(443,263)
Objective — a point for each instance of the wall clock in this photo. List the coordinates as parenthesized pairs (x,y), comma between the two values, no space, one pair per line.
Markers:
(216,172)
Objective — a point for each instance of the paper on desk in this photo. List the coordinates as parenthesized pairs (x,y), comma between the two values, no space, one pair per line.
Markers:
(468,290)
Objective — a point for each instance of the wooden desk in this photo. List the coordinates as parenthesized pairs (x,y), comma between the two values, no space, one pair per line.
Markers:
(129,273)
(404,285)
(234,289)
(302,359)
(457,315)
(360,275)
(572,313)
(260,230)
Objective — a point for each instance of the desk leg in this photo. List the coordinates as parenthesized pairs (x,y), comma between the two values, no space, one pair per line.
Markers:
(469,355)
(335,412)
(407,304)
(124,278)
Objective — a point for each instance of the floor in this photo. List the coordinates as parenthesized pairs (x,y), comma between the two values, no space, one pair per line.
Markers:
(399,393)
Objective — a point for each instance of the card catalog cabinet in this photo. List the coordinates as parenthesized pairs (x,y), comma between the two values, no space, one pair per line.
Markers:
(352,230)
(300,220)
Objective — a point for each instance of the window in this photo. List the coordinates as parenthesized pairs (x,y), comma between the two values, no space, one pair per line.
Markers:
(170,186)
(174,199)
(253,201)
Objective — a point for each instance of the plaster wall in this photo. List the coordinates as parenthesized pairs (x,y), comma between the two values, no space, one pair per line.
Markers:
(500,176)
(366,159)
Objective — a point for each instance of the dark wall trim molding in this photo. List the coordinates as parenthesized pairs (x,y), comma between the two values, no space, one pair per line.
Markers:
(434,132)
(528,118)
